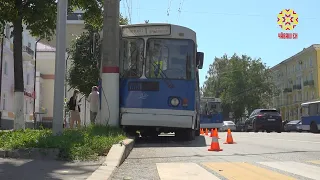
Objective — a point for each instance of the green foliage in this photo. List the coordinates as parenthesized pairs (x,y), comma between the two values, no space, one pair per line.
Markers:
(241,82)
(78,144)
(93,12)
(86,55)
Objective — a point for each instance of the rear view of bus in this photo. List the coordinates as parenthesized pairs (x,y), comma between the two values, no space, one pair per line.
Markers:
(158,84)
(210,113)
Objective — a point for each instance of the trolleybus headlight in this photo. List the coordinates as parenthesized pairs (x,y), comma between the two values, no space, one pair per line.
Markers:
(174,102)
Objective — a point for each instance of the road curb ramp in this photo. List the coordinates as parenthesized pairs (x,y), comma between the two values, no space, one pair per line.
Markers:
(116,156)
(229,139)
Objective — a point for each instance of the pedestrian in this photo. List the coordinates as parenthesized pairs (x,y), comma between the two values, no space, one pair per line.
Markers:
(74,107)
(94,103)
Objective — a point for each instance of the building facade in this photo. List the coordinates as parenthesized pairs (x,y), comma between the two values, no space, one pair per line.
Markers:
(298,79)
(7,81)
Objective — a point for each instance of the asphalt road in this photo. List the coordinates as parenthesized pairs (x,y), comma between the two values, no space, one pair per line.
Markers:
(255,156)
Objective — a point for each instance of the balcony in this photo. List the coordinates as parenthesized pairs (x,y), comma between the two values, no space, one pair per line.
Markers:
(308,83)
(287,90)
(297,87)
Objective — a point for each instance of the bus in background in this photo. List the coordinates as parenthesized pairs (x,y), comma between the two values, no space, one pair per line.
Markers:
(210,113)
(158,80)
(310,116)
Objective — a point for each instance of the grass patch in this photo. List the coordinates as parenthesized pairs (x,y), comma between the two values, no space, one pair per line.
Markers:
(85,143)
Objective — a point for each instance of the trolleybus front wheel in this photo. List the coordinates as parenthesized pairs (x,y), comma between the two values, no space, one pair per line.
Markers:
(186,134)
(314,128)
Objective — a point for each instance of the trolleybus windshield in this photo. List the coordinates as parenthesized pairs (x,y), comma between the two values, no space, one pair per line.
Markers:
(131,63)
(170,58)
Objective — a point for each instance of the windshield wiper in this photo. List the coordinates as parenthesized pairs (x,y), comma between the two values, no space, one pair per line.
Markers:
(163,76)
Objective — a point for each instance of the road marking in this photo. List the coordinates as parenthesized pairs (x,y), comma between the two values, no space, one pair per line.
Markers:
(314,162)
(292,140)
(244,171)
(301,169)
(183,171)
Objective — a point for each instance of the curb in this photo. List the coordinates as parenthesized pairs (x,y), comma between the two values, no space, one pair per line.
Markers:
(116,156)
(31,153)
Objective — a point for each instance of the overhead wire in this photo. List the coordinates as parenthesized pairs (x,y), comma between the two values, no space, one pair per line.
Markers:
(180,8)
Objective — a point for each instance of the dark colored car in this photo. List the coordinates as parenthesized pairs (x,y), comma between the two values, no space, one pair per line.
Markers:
(265,120)
(240,127)
(294,125)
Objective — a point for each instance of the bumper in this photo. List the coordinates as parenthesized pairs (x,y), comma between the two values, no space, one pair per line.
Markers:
(269,126)
(157,118)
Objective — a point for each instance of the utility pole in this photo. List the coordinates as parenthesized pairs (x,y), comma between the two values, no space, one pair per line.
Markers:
(59,75)
(2,36)
(110,64)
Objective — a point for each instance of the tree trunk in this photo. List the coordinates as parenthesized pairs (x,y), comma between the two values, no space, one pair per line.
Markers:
(18,71)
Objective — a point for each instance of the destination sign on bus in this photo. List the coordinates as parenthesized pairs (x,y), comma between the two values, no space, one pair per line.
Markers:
(146,31)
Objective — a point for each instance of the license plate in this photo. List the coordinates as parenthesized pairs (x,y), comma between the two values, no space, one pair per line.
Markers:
(271,119)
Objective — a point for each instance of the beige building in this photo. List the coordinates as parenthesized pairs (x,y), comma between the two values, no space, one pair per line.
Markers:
(298,79)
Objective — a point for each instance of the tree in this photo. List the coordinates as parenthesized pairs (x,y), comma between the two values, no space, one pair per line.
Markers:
(39,17)
(86,54)
(241,82)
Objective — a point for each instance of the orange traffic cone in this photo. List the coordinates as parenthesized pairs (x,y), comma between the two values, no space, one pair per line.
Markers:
(212,133)
(229,138)
(216,132)
(201,131)
(214,145)
(206,132)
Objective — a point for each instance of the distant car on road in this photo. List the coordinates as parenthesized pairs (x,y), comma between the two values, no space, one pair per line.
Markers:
(228,125)
(294,125)
(264,119)
(240,127)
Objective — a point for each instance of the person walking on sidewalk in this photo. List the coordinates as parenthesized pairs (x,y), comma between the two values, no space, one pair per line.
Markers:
(74,107)
(94,103)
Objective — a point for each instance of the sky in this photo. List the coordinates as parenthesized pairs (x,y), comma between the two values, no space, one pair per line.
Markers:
(229,26)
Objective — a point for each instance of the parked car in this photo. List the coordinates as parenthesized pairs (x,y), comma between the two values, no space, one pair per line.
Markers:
(294,125)
(228,125)
(264,119)
(240,127)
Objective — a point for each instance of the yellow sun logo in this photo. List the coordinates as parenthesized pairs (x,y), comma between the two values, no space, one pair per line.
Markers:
(288,19)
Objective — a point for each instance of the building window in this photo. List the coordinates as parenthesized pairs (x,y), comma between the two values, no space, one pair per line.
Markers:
(311,76)
(28,79)
(4,101)
(5,68)
(310,61)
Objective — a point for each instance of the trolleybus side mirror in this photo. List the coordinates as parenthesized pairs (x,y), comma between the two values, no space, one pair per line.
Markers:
(200,56)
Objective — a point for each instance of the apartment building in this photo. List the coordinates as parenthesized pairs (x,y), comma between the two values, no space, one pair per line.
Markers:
(7,81)
(298,80)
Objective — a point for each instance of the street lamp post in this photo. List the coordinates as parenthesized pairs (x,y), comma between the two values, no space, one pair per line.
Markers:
(59,75)
(34,83)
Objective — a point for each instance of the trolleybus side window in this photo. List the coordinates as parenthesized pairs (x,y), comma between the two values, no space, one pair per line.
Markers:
(313,109)
(170,58)
(131,64)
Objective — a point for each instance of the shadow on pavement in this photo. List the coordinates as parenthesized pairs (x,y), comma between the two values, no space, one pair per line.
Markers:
(12,169)
(169,141)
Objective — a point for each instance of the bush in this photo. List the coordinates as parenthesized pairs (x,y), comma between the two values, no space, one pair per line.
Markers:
(74,144)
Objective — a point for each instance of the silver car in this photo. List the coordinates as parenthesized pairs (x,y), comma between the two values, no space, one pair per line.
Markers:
(228,125)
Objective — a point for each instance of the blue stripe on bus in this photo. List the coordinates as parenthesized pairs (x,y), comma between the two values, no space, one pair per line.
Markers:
(157,99)
(216,118)
(306,120)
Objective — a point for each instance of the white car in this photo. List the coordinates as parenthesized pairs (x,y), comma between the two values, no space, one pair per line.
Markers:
(228,125)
